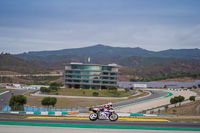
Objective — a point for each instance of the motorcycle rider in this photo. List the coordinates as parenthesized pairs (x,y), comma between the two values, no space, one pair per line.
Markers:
(107,107)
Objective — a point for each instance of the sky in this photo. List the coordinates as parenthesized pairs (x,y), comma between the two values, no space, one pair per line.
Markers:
(37,25)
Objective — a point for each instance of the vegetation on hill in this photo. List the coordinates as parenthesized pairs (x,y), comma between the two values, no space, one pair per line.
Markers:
(163,71)
(102,50)
(11,63)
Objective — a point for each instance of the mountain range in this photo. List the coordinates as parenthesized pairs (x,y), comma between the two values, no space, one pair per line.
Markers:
(134,61)
(106,51)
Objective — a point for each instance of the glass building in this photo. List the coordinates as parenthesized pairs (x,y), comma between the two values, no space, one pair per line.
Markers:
(90,76)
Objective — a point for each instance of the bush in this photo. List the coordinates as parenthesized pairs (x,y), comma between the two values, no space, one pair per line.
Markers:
(95,94)
(192,98)
(49,101)
(126,89)
(56,84)
(194,87)
(112,88)
(199,85)
(45,90)
(174,111)
(17,102)
(55,88)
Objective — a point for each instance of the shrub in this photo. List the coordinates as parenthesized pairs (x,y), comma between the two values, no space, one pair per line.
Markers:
(95,94)
(45,90)
(126,89)
(194,87)
(174,111)
(192,98)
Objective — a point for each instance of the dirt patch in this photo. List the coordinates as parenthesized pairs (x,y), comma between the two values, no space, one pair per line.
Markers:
(9,73)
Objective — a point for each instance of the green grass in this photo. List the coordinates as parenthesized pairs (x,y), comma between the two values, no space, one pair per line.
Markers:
(89,93)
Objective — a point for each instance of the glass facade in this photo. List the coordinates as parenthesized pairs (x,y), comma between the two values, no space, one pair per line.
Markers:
(90,76)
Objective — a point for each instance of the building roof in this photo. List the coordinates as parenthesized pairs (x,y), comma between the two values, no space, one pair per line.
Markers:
(110,65)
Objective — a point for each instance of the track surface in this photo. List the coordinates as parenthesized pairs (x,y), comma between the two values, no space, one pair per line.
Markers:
(153,94)
(108,123)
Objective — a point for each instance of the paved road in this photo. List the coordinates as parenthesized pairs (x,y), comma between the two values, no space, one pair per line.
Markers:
(5,98)
(154,94)
(190,125)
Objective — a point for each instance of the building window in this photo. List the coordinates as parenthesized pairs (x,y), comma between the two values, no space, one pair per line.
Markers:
(106,68)
(76,76)
(105,73)
(77,72)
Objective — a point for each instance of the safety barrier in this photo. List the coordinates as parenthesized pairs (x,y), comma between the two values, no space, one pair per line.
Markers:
(173,89)
(56,113)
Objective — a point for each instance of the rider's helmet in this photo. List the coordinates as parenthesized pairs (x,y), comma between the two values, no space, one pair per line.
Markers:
(110,104)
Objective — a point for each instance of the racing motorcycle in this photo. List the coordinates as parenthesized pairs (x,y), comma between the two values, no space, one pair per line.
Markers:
(103,115)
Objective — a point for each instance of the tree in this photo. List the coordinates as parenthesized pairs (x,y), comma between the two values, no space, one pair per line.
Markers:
(181,99)
(194,87)
(199,85)
(174,100)
(17,102)
(49,101)
(192,98)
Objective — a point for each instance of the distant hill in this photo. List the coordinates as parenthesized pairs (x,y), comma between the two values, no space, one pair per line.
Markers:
(11,63)
(172,69)
(107,51)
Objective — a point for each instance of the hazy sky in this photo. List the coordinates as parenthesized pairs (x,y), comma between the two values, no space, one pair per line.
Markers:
(35,25)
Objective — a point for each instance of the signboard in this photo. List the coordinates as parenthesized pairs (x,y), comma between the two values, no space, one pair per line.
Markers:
(139,85)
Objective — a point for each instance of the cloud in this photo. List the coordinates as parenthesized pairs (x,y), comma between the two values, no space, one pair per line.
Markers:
(54,25)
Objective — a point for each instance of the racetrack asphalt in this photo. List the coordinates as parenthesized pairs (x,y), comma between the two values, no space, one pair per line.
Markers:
(183,125)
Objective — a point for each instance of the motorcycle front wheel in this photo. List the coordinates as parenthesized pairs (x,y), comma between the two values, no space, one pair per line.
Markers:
(113,117)
(93,117)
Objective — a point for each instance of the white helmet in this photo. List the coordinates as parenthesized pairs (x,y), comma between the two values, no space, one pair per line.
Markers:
(110,104)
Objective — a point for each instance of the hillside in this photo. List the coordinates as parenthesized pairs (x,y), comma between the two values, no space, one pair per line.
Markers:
(176,69)
(108,51)
(11,63)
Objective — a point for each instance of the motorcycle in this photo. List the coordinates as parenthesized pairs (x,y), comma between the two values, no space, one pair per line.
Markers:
(103,115)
